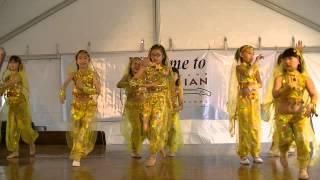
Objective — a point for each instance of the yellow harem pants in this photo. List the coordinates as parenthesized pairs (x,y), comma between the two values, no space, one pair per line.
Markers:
(132,125)
(295,127)
(19,124)
(275,141)
(82,136)
(155,111)
(249,127)
(175,139)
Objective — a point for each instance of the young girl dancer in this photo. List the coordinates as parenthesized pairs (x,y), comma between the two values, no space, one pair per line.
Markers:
(16,90)
(131,126)
(82,135)
(157,75)
(293,112)
(244,105)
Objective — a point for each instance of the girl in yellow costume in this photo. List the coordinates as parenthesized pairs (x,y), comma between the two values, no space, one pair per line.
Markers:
(131,126)
(82,135)
(156,74)
(269,106)
(175,139)
(293,112)
(243,104)
(16,90)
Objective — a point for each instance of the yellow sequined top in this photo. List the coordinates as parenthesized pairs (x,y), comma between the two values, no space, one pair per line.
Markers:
(247,79)
(295,94)
(157,74)
(133,87)
(14,93)
(89,90)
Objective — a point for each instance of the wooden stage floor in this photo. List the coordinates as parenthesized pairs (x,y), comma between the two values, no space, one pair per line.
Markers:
(194,162)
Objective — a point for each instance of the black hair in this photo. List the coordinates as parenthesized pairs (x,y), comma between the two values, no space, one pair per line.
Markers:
(279,59)
(15,59)
(163,51)
(175,70)
(291,52)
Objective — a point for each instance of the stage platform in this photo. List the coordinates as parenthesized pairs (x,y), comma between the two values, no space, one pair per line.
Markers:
(113,162)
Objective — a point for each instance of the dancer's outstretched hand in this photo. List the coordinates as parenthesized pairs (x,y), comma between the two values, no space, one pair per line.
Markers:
(258,58)
(300,46)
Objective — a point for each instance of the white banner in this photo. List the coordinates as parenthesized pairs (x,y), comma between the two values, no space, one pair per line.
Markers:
(205,77)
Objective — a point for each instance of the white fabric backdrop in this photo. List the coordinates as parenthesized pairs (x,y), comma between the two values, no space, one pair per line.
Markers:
(44,82)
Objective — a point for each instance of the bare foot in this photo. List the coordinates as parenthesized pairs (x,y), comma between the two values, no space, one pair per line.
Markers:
(303,173)
(13,155)
(151,161)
